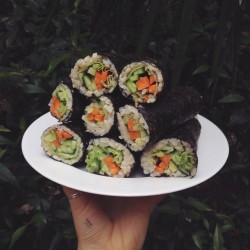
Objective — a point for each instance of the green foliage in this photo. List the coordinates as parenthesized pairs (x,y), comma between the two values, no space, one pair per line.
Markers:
(202,43)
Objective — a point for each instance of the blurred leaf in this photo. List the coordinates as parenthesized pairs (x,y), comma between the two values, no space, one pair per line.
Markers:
(227,227)
(7,176)
(201,69)
(206,223)
(2,152)
(33,89)
(5,141)
(199,205)
(54,63)
(218,238)
(244,179)
(62,214)
(17,235)
(57,239)
(232,98)
(4,129)
(197,240)
(192,215)
(22,123)
(39,219)
(70,233)
(170,207)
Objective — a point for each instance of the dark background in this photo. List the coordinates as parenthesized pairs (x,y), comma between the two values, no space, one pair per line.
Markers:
(205,44)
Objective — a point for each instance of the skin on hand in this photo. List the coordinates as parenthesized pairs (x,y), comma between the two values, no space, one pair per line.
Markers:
(111,223)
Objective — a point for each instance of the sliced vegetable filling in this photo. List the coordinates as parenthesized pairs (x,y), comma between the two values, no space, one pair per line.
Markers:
(60,102)
(169,159)
(142,83)
(96,113)
(62,144)
(104,160)
(99,116)
(136,131)
(97,77)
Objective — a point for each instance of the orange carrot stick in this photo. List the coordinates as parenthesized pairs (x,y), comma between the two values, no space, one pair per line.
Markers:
(134,135)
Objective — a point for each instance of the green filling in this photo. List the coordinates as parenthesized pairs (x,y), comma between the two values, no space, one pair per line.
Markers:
(62,94)
(95,157)
(67,148)
(180,160)
(133,77)
(98,105)
(137,127)
(89,76)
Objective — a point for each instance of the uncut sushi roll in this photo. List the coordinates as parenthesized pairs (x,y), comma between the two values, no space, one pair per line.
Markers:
(142,126)
(143,81)
(106,156)
(65,104)
(99,116)
(94,75)
(175,155)
(64,143)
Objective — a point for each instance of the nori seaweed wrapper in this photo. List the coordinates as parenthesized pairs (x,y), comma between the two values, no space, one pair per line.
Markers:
(178,106)
(188,132)
(79,102)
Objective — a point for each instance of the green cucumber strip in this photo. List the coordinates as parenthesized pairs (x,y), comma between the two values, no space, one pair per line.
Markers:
(50,137)
(89,83)
(92,71)
(131,86)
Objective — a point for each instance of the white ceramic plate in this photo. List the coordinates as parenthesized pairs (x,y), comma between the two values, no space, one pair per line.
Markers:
(212,152)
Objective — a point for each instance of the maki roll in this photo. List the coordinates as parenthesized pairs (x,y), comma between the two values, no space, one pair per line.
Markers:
(65,104)
(175,155)
(133,127)
(64,143)
(94,75)
(99,116)
(142,126)
(142,80)
(105,156)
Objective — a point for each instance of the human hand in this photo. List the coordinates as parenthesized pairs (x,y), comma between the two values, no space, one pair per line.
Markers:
(110,223)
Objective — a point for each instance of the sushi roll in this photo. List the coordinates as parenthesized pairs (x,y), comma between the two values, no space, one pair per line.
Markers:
(99,116)
(142,126)
(65,104)
(64,143)
(94,75)
(175,155)
(142,81)
(106,156)
(133,127)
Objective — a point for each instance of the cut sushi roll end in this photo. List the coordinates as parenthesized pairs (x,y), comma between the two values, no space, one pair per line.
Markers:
(142,80)
(61,102)
(94,75)
(171,157)
(108,157)
(62,144)
(133,128)
(99,116)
